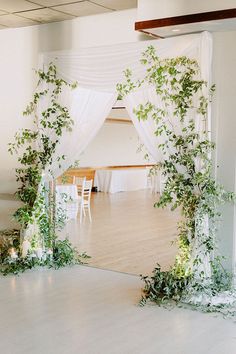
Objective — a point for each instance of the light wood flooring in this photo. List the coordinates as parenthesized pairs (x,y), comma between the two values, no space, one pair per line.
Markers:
(127,233)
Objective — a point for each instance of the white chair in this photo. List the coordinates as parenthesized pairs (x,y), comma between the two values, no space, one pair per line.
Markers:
(154,179)
(84,200)
(149,180)
(79,183)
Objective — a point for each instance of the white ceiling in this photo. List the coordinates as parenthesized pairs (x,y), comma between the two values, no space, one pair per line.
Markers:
(20,13)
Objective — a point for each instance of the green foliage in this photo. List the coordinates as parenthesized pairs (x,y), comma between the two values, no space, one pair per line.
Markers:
(65,254)
(20,265)
(8,239)
(186,167)
(36,149)
(164,286)
(221,278)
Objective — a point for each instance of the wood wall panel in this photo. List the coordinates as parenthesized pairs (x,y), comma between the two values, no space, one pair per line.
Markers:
(67,176)
(89,172)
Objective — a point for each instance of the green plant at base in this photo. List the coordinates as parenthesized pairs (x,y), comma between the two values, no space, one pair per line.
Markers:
(164,286)
(182,103)
(8,239)
(64,255)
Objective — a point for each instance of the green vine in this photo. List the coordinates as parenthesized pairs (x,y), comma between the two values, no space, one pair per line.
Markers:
(36,149)
(182,102)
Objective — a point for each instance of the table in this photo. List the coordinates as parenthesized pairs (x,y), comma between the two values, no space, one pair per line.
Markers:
(121,180)
(67,199)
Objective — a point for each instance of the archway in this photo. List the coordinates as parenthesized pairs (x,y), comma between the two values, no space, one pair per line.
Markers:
(88,106)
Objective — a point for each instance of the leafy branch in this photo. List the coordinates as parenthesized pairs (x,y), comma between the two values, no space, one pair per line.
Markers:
(181,104)
(36,150)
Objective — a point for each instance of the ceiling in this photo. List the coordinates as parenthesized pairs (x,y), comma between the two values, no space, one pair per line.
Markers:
(20,13)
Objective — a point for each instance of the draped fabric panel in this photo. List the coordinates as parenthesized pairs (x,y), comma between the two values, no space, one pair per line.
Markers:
(97,72)
(101,68)
(88,109)
(146,129)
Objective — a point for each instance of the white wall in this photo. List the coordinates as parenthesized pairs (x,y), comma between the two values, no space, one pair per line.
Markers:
(224,128)
(20,49)
(89,31)
(19,54)
(155,9)
(115,145)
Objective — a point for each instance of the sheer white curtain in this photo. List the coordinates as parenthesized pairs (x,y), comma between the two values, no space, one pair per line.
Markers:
(202,52)
(88,109)
(98,70)
(146,130)
(101,68)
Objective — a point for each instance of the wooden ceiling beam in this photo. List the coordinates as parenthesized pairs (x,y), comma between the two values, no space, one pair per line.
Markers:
(185,19)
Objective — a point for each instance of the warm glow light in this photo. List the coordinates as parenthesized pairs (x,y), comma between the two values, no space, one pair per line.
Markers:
(13,253)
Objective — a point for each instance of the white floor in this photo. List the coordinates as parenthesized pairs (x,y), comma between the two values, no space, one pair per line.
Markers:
(83,310)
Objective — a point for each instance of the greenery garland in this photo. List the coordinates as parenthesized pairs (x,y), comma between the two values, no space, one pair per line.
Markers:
(197,275)
(36,242)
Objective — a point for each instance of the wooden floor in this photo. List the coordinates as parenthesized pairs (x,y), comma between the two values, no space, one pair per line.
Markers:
(127,233)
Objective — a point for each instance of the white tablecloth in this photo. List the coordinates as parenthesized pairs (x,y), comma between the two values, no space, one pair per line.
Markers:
(121,180)
(67,199)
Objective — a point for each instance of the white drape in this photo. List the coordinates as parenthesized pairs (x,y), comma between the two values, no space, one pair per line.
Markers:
(98,70)
(146,130)
(202,52)
(88,109)
(101,68)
